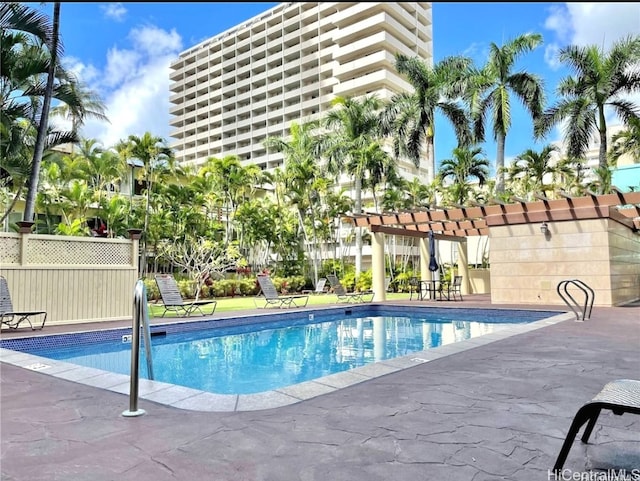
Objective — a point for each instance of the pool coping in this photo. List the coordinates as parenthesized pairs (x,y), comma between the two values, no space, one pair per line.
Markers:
(196,400)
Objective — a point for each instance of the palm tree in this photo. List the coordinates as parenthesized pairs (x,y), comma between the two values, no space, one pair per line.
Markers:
(15,166)
(154,154)
(419,194)
(91,105)
(601,81)
(30,54)
(627,142)
(410,117)
(380,169)
(44,116)
(603,181)
(301,170)
(234,181)
(16,150)
(489,92)
(115,212)
(533,167)
(352,125)
(465,165)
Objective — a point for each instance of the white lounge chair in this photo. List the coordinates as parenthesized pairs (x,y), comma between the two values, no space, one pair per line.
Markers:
(344,296)
(272,298)
(321,287)
(172,299)
(12,318)
(619,396)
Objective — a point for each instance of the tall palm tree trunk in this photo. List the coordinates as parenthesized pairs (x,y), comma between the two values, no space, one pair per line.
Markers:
(44,117)
(602,154)
(431,160)
(500,138)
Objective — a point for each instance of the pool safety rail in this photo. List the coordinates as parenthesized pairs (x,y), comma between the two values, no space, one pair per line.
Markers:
(140,321)
(582,312)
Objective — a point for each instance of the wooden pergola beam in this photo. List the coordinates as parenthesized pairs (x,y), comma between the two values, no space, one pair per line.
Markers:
(457,236)
(475,220)
(593,212)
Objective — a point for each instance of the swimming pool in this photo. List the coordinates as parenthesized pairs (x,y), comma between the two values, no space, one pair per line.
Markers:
(279,353)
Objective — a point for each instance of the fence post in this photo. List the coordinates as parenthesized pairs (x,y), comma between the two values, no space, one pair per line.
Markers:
(135,235)
(24,229)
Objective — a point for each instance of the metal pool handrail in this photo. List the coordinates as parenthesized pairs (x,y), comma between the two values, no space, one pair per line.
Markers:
(140,319)
(583,313)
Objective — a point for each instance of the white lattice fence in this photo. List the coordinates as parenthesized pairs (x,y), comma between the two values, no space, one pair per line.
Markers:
(79,251)
(9,249)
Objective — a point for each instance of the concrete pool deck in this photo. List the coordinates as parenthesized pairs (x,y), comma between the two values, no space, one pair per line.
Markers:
(495,410)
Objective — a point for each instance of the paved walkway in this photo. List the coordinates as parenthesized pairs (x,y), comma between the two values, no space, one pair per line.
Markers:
(496,411)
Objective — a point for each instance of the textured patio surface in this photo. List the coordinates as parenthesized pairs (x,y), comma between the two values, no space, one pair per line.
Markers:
(494,412)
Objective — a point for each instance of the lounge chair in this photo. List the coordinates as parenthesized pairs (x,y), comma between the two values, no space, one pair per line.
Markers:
(12,318)
(620,396)
(172,299)
(272,298)
(320,287)
(344,296)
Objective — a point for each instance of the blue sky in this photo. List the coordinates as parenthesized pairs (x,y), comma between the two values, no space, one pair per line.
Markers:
(123,51)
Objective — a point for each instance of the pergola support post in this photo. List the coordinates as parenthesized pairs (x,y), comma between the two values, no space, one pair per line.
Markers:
(463,266)
(425,273)
(377,266)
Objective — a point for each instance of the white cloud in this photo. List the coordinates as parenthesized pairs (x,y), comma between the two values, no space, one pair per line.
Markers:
(559,22)
(603,23)
(88,73)
(551,56)
(155,41)
(593,23)
(134,85)
(121,64)
(115,11)
(474,49)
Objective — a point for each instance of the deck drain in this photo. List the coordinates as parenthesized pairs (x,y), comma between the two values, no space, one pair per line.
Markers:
(37,366)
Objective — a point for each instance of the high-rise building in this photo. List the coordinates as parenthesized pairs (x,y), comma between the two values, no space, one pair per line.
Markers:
(231,91)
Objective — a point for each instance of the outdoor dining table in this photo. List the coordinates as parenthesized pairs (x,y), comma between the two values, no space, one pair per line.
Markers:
(427,289)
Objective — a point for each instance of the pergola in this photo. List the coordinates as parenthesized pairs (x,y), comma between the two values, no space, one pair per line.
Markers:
(458,222)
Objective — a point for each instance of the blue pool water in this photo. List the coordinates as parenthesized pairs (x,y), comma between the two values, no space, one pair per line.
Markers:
(275,353)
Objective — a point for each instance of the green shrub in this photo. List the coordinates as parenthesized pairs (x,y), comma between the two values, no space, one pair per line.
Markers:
(248,287)
(348,280)
(364,281)
(153,294)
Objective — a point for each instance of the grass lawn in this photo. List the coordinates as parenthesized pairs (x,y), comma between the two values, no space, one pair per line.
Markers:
(227,304)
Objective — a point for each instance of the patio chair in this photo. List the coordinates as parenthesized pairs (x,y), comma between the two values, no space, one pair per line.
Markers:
(12,318)
(620,396)
(414,288)
(272,298)
(344,296)
(321,287)
(450,289)
(172,300)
